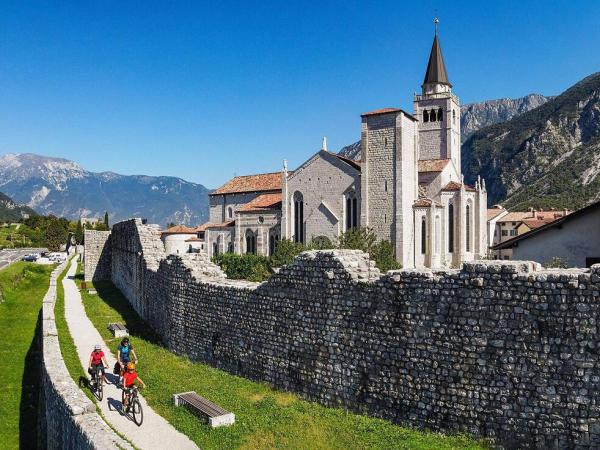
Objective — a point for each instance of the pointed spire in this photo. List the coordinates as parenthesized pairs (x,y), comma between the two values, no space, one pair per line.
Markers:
(324,145)
(436,69)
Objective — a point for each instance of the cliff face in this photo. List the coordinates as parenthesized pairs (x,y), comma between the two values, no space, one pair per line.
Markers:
(474,116)
(547,157)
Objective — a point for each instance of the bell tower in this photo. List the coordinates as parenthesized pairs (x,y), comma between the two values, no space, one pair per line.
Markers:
(438,110)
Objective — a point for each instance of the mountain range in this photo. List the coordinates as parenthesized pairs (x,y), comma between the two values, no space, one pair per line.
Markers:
(546,157)
(64,188)
(10,211)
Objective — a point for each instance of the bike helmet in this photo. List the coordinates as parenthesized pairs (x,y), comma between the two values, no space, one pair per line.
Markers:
(97,347)
(130,366)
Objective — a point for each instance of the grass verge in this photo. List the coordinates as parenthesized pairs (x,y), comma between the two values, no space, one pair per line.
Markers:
(265,418)
(22,289)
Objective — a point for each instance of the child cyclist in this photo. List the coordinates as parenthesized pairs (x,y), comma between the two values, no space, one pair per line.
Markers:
(97,362)
(129,378)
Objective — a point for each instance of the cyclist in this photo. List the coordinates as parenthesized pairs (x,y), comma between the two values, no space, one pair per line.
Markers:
(97,359)
(129,378)
(125,352)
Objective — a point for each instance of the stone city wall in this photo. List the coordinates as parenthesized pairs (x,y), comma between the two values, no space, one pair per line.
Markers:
(96,258)
(498,349)
(70,418)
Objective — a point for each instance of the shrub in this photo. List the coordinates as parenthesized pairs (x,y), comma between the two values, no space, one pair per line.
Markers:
(244,267)
(285,252)
(556,263)
(321,243)
(357,239)
(383,255)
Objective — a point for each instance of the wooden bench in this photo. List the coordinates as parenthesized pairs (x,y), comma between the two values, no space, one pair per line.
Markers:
(118,329)
(216,415)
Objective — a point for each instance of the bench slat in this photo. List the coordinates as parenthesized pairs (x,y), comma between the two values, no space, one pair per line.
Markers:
(217,416)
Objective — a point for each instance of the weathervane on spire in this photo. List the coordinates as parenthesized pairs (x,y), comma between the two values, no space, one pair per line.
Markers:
(435,22)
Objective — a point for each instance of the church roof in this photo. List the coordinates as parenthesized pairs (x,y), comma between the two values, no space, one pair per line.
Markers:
(425,203)
(179,229)
(432,165)
(493,212)
(352,162)
(436,69)
(251,183)
(263,202)
(454,186)
(205,226)
(387,111)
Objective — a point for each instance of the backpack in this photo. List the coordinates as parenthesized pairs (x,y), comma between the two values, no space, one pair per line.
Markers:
(117,368)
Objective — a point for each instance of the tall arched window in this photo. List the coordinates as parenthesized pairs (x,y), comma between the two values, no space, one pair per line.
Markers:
(298,217)
(250,242)
(351,210)
(271,244)
(450,228)
(230,212)
(438,235)
(425,116)
(432,115)
(423,236)
(468,228)
(440,115)
(215,249)
(454,116)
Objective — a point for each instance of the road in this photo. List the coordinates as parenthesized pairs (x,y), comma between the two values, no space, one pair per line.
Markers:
(9,256)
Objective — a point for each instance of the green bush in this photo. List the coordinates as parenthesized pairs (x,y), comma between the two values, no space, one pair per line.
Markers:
(321,243)
(383,255)
(364,239)
(285,252)
(244,267)
(556,263)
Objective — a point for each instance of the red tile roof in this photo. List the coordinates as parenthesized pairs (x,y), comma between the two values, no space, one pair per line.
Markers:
(432,165)
(425,202)
(251,183)
(454,186)
(208,225)
(179,229)
(263,202)
(194,239)
(535,223)
(387,111)
(493,212)
(353,162)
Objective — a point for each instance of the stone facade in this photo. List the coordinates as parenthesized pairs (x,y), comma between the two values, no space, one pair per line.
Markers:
(70,418)
(497,349)
(96,258)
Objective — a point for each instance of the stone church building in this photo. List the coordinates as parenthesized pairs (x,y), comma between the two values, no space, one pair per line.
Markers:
(407,187)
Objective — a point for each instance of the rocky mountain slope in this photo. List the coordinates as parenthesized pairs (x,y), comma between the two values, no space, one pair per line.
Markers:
(547,157)
(474,116)
(63,188)
(11,211)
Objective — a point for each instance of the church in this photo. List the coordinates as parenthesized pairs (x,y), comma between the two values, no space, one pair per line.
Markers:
(407,187)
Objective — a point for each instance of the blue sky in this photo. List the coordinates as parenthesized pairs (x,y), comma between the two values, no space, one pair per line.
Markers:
(203,90)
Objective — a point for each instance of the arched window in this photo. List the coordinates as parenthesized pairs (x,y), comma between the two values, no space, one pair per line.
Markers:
(432,115)
(298,217)
(454,116)
(468,228)
(215,249)
(438,235)
(450,228)
(423,236)
(425,116)
(271,244)
(230,212)
(250,242)
(230,247)
(440,115)
(351,210)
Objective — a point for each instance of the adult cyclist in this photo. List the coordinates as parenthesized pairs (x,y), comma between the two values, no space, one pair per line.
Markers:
(98,362)
(125,354)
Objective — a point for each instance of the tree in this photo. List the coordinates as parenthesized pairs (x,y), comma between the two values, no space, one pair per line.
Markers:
(170,225)
(79,233)
(556,263)
(357,239)
(285,252)
(106,220)
(56,235)
(383,255)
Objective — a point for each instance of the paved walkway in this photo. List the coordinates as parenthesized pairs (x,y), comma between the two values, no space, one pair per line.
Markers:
(155,432)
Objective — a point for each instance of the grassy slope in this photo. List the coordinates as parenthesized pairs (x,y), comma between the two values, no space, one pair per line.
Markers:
(23,286)
(265,418)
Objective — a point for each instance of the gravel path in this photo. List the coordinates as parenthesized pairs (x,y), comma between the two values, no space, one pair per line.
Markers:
(155,432)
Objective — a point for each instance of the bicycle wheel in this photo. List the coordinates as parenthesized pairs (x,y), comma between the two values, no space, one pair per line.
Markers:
(99,389)
(138,412)
(123,400)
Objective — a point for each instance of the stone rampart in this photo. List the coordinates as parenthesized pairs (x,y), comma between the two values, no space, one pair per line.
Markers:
(97,255)
(71,420)
(497,349)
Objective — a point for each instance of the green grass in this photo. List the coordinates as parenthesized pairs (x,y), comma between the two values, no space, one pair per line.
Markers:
(22,288)
(265,418)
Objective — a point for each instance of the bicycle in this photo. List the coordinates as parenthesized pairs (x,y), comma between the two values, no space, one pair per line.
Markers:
(96,384)
(134,405)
